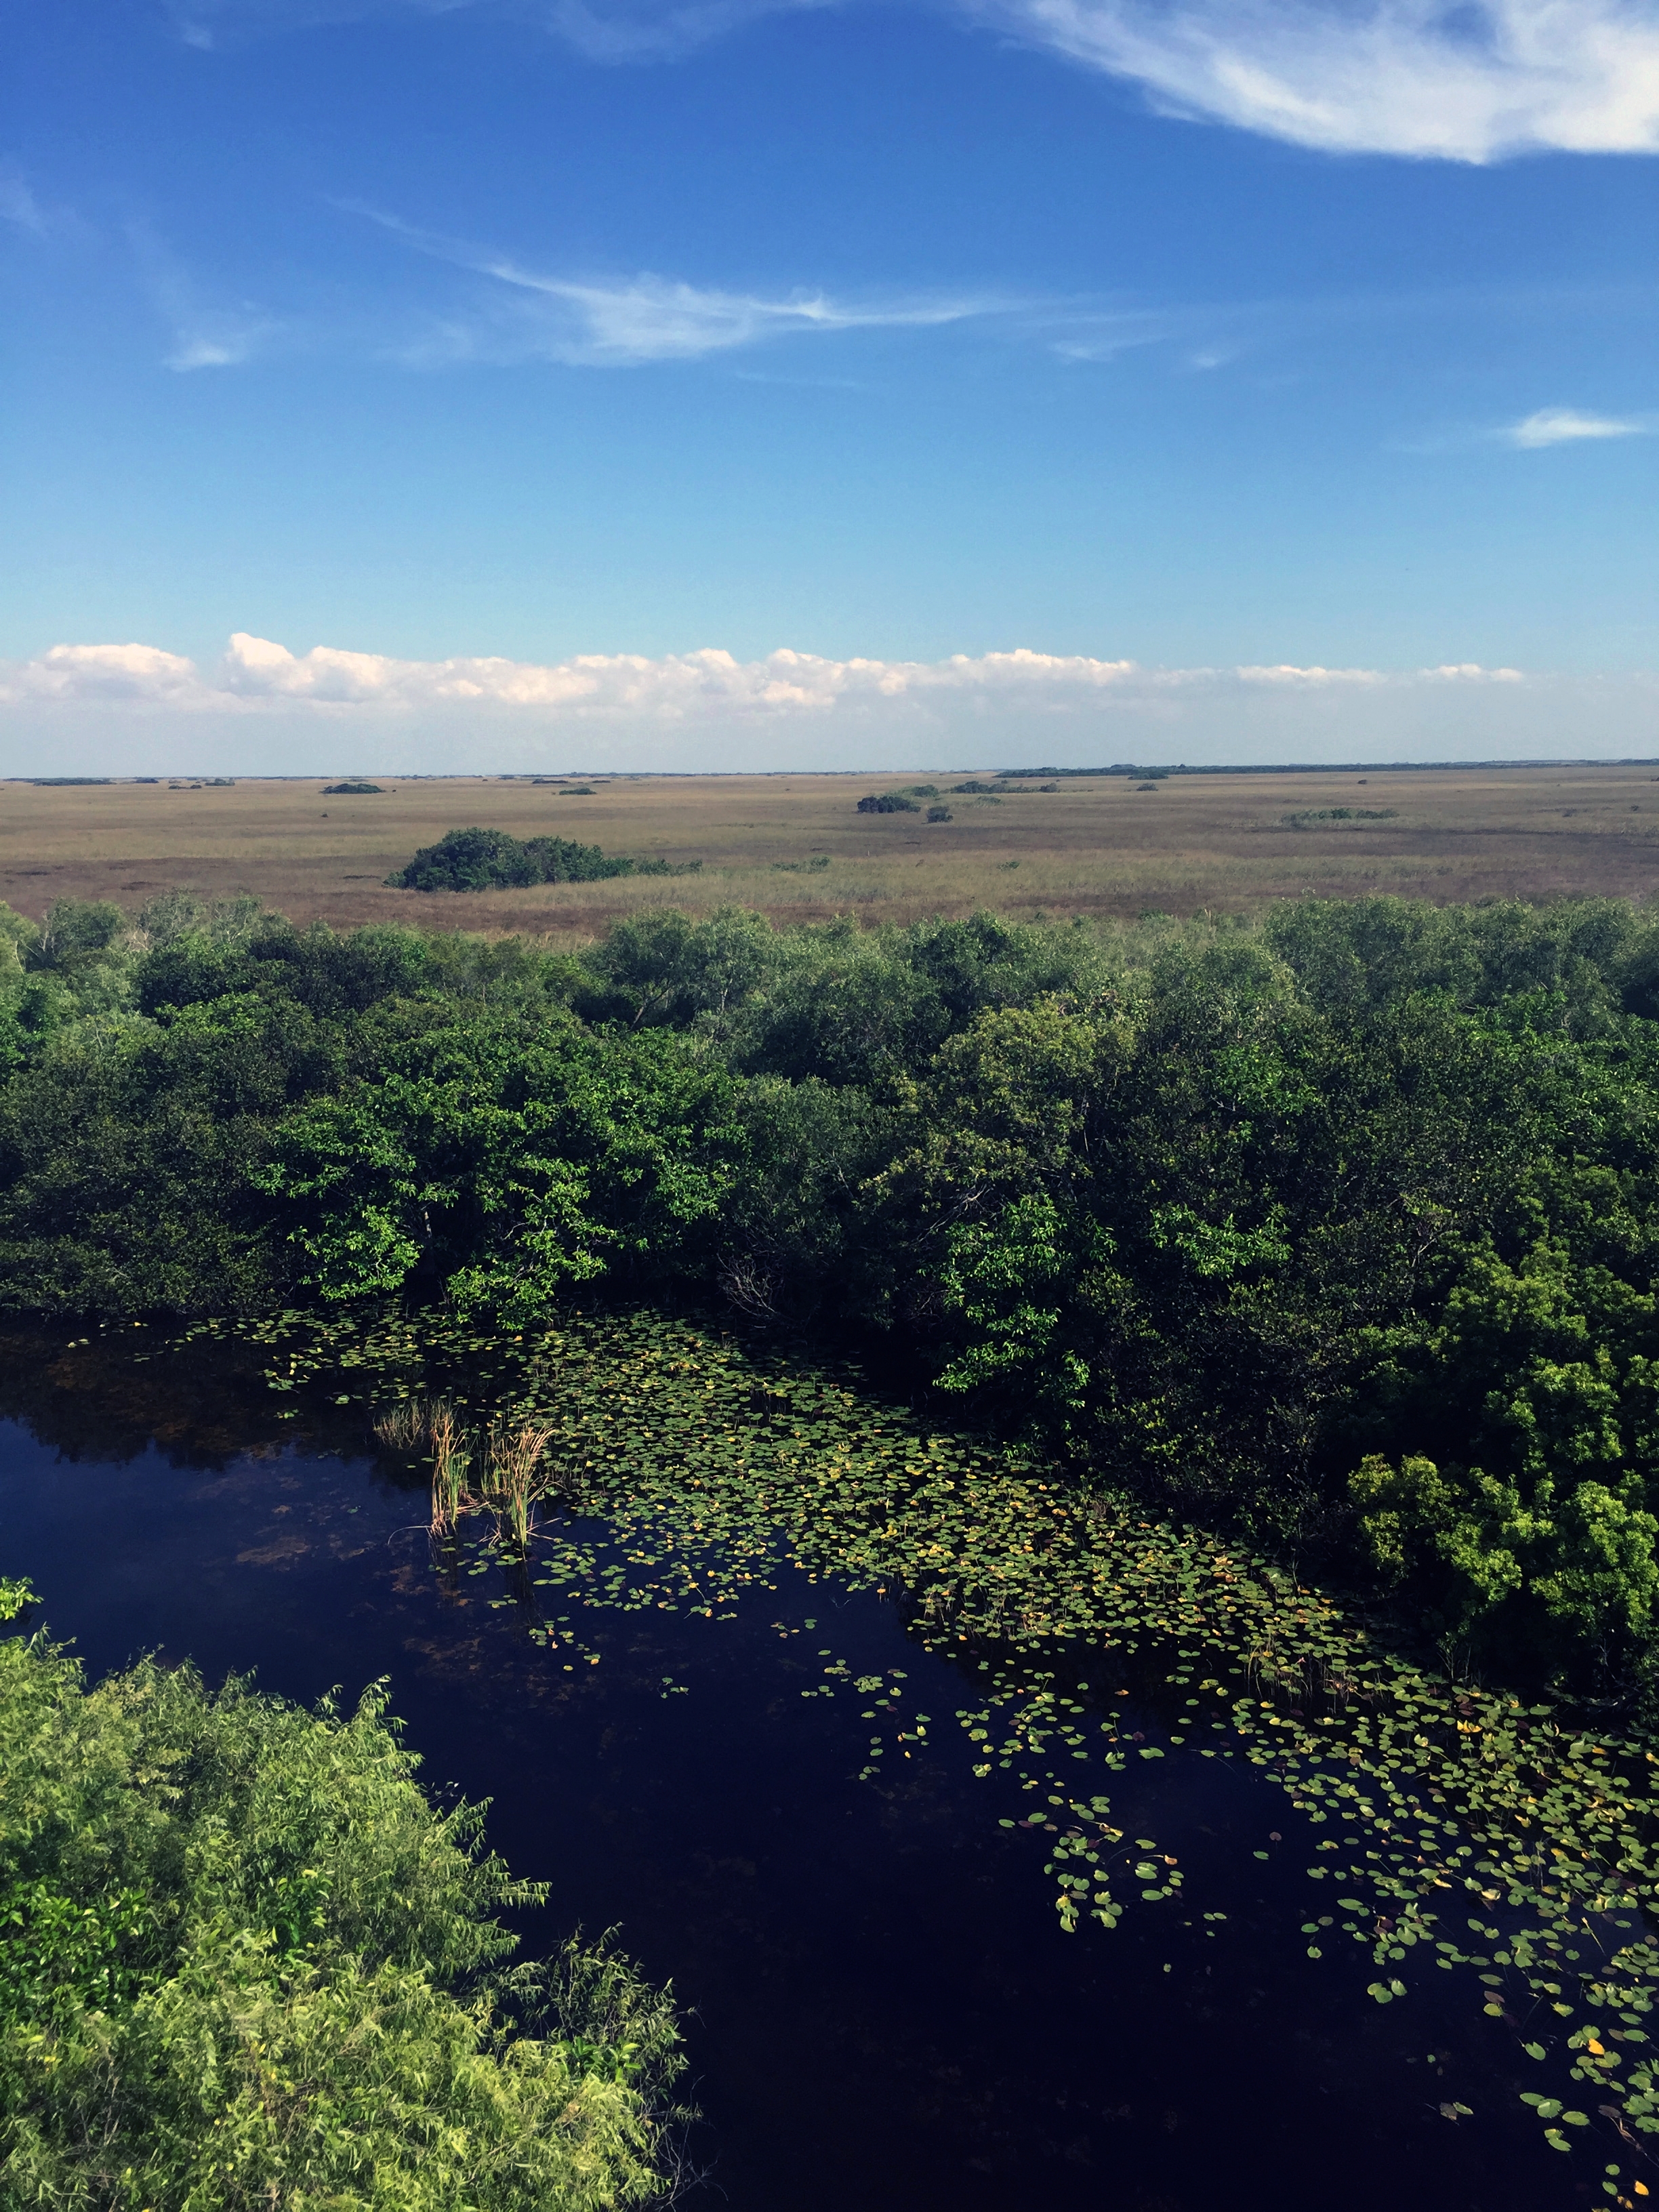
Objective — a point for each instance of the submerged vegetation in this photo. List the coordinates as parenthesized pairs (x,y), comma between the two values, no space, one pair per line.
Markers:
(247,1964)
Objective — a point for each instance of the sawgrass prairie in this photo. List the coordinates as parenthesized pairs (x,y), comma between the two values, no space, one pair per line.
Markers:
(795,846)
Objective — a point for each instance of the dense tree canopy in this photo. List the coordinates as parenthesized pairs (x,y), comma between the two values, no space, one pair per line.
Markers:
(1339,1228)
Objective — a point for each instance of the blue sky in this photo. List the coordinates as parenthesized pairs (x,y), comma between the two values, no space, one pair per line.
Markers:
(476,345)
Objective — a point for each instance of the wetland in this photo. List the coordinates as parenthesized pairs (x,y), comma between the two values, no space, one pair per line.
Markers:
(1035,1542)
(1085,1859)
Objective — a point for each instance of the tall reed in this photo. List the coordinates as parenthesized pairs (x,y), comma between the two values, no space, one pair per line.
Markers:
(450,1462)
(516,1475)
(511,1469)
(403,1426)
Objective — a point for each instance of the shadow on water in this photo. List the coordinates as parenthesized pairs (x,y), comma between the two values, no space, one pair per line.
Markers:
(883,2010)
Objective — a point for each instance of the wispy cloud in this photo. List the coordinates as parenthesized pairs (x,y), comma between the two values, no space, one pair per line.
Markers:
(207,333)
(219,339)
(18,203)
(1103,337)
(1453,80)
(1459,80)
(1562,426)
(624,322)
(660,30)
(23,208)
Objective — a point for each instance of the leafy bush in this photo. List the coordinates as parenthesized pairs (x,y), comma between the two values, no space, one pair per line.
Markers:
(350,790)
(490,860)
(888,802)
(1309,817)
(247,1964)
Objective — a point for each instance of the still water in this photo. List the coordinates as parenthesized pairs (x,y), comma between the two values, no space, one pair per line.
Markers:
(883,2011)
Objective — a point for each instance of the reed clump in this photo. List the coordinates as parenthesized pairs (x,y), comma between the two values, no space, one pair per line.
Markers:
(510,1459)
(515,1475)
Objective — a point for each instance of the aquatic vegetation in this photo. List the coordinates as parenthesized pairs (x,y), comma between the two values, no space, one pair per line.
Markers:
(516,1475)
(1462,1829)
(1258,1222)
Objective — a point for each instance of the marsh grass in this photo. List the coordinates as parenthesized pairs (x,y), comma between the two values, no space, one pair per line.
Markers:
(794,847)
(509,1457)
(516,1475)
(402,1427)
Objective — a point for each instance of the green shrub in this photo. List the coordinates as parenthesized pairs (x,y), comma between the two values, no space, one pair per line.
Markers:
(246,1963)
(491,860)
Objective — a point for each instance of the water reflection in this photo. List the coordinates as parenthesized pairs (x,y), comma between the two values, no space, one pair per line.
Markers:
(884,2011)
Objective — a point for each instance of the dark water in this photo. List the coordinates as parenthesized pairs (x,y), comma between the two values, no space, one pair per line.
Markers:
(885,2013)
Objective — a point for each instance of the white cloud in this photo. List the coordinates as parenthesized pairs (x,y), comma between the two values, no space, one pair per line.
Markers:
(1459,80)
(263,708)
(257,674)
(142,673)
(624,322)
(1560,426)
(671,689)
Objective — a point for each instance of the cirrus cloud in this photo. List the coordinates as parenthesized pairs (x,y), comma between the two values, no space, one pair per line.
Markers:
(624,322)
(1562,426)
(1451,80)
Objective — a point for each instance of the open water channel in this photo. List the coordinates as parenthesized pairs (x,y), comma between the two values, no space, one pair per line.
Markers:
(883,2010)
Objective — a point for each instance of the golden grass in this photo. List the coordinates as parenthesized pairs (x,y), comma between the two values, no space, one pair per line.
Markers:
(1099,847)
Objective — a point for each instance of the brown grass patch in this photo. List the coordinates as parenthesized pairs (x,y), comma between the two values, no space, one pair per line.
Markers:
(1099,847)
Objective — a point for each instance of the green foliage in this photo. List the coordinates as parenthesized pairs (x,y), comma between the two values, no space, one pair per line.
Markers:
(1580,1552)
(245,1963)
(76,933)
(1309,817)
(1222,1212)
(508,1163)
(888,802)
(17,935)
(491,860)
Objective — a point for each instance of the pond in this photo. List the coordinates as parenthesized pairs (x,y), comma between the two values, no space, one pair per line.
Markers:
(834,1811)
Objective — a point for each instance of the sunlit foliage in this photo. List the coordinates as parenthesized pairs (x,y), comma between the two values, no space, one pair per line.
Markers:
(244,1963)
